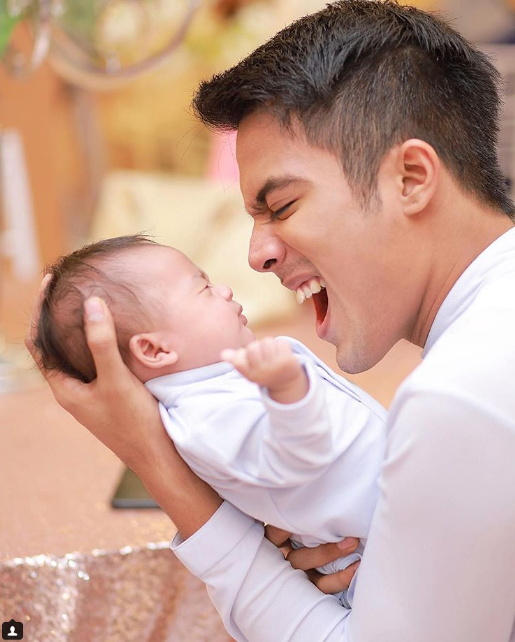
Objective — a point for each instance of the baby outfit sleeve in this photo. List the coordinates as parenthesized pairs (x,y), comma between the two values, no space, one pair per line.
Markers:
(300,436)
(258,441)
(438,562)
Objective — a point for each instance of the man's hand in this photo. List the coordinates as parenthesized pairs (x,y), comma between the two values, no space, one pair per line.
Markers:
(308,559)
(118,409)
(271,363)
(115,407)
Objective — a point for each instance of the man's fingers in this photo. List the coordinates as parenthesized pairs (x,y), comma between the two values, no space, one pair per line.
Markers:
(335,582)
(307,558)
(101,338)
(277,536)
(68,392)
(313,576)
(34,320)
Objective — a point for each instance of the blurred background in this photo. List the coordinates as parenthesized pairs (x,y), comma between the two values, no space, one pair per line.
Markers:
(97,140)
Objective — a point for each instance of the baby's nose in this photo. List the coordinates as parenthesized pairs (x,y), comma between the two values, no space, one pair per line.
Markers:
(225,291)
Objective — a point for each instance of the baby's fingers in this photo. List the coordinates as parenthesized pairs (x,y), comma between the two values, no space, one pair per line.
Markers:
(282,348)
(263,352)
(268,348)
(254,353)
(238,358)
(228,355)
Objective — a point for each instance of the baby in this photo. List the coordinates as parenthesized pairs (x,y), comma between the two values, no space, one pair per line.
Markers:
(290,442)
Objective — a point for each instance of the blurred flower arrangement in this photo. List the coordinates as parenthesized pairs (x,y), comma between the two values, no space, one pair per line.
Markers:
(148,124)
(95,43)
(117,34)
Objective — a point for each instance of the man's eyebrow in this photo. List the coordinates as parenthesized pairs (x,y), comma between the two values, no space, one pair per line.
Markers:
(271,185)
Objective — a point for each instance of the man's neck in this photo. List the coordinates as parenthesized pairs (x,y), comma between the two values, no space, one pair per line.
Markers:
(463,234)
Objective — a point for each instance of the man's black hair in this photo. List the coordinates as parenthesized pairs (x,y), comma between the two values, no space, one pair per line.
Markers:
(362,76)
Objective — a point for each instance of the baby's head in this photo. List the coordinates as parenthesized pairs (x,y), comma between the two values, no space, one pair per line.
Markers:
(168,316)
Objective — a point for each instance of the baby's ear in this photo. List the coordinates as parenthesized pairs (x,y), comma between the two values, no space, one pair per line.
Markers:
(151,351)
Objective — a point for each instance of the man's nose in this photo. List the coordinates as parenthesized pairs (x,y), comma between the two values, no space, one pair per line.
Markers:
(265,251)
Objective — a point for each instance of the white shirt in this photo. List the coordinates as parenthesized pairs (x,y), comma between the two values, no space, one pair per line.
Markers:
(277,462)
(440,560)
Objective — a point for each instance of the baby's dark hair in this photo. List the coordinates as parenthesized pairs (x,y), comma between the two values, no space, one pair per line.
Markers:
(89,271)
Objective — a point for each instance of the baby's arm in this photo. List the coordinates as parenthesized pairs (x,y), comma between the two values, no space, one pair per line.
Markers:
(271,363)
(255,439)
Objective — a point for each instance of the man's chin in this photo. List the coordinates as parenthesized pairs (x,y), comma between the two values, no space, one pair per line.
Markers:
(352,361)
(353,354)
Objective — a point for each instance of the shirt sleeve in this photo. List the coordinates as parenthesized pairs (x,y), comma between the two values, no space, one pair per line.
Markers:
(258,595)
(439,559)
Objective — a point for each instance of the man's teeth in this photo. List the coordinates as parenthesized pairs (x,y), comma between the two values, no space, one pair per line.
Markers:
(306,290)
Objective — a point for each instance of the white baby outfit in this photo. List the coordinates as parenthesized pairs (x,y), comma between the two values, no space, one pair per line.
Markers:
(310,467)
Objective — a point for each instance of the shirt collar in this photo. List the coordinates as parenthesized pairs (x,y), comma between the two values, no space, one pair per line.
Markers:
(493,261)
(166,387)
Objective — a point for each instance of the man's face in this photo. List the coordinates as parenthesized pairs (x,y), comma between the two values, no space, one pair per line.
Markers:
(309,227)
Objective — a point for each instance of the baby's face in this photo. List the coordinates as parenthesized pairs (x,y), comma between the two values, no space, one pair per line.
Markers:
(198,318)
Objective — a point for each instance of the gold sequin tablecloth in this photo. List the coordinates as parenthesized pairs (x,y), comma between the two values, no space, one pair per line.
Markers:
(72,569)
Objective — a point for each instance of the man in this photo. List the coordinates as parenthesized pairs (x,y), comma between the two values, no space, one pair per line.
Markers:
(366,146)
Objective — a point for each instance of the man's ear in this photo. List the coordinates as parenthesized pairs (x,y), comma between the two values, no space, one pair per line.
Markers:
(152,351)
(419,170)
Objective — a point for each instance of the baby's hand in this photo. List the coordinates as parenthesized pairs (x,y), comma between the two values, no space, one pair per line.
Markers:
(271,363)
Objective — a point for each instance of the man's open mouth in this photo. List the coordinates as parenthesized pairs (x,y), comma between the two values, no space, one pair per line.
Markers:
(315,288)
(321,304)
